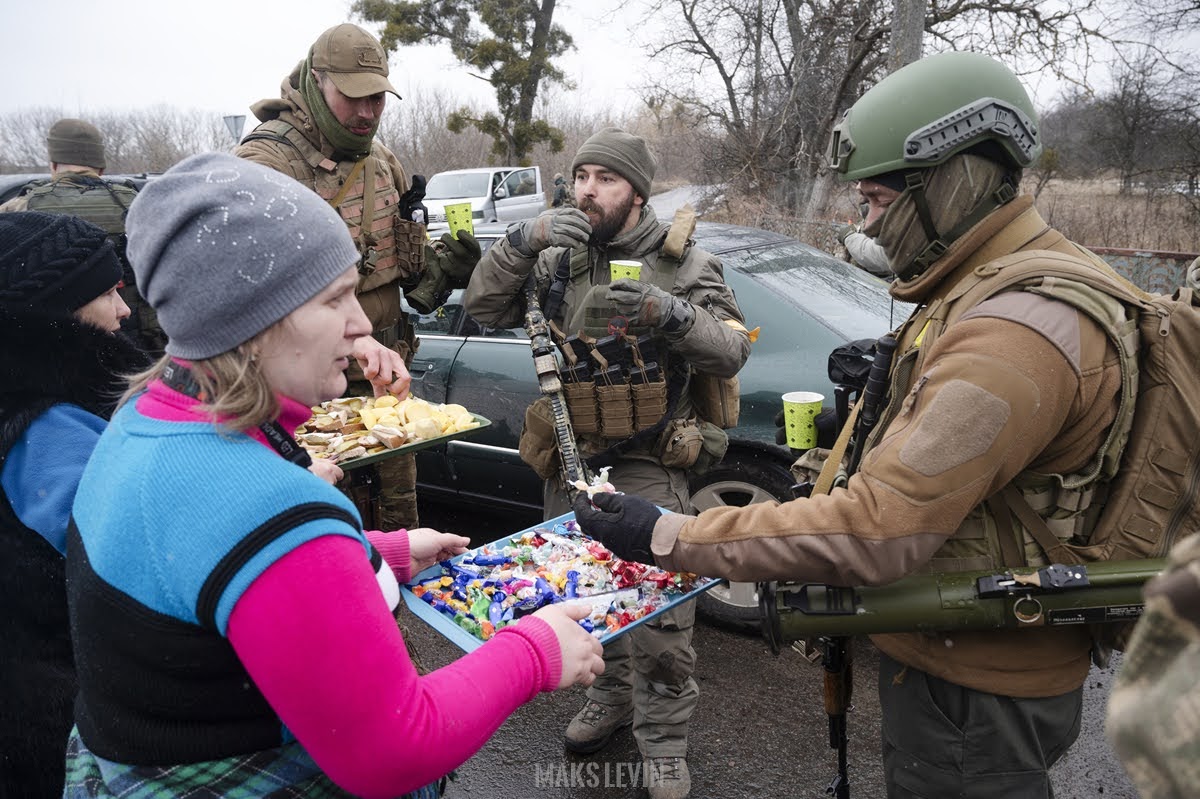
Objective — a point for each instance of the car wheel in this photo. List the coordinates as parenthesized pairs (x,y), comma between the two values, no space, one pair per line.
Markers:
(743,478)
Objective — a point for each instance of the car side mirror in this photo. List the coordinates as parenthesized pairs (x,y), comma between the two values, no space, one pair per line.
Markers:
(500,193)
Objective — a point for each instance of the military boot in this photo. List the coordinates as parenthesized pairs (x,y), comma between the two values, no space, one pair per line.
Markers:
(594,725)
(668,777)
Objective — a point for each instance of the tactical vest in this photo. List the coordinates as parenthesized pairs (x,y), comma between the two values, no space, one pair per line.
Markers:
(392,249)
(94,199)
(991,537)
(105,205)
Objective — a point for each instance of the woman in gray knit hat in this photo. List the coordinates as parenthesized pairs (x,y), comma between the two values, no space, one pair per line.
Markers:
(233,622)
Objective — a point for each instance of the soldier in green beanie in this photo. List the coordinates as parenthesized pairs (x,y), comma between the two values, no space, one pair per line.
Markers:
(682,309)
(76,186)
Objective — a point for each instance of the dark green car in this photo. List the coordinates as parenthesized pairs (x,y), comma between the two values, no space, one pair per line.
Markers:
(805,303)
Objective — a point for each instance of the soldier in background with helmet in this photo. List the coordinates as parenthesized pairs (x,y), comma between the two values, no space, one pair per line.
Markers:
(682,303)
(77,161)
(1016,395)
(321,131)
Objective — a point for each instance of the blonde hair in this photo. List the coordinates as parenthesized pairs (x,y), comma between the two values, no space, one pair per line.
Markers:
(235,390)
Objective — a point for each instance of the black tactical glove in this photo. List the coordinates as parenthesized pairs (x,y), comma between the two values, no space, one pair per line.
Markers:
(411,206)
(844,231)
(647,305)
(458,257)
(557,227)
(622,522)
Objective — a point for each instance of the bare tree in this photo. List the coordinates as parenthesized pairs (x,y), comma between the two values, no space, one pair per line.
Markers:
(907,32)
(149,140)
(783,71)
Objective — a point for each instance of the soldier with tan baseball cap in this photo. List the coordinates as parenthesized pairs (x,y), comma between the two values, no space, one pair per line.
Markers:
(321,131)
(354,60)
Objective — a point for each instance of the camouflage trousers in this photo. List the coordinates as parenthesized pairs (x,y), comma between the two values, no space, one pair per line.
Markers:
(651,666)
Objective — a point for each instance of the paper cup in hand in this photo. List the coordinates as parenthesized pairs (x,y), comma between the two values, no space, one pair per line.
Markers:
(458,217)
(800,409)
(629,269)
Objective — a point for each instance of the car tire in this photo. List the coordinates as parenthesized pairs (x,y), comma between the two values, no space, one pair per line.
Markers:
(743,478)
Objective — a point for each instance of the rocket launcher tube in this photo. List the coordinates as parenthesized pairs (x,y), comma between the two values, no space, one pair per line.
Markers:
(1103,591)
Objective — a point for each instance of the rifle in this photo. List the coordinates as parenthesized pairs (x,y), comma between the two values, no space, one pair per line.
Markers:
(835,649)
(545,363)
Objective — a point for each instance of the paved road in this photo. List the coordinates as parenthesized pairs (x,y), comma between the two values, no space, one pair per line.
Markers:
(759,732)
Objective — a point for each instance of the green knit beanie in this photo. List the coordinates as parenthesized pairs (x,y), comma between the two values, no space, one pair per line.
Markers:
(623,153)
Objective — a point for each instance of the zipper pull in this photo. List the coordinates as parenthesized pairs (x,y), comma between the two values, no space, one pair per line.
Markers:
(1164,322)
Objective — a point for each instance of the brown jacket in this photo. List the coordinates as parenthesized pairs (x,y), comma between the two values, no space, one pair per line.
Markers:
(1020,382)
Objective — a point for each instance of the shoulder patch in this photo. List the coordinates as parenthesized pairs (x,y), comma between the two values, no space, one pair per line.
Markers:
(1056,321)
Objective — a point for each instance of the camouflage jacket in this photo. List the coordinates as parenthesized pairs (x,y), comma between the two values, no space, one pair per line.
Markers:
(1154,710)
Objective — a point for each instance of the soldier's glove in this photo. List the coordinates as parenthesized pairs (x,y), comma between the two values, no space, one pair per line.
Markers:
(449,263)
(557,227)
(647,305)
(458,257)
(844,231)
(622,522)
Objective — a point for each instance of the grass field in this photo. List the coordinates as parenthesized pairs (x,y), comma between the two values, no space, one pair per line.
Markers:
(1092,212)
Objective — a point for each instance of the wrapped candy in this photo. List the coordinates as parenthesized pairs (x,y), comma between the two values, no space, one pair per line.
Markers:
(496,584)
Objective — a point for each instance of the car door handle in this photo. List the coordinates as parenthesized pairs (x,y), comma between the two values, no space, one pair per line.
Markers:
(420,368)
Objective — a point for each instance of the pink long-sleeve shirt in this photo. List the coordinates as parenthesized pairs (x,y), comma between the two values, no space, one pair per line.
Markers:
(321,645)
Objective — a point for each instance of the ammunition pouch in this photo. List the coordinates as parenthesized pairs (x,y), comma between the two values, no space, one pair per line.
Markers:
(410,239)
(581,404)
(680,444)
(716,399)
(714,442)
(649,402)
(538,445)
(615,402)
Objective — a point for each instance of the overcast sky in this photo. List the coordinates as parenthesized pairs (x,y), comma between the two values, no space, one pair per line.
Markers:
(223,55)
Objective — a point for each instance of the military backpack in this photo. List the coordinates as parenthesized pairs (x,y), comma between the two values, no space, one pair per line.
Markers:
(1141,491)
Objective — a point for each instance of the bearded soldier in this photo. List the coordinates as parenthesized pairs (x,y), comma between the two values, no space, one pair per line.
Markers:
(321,131)
(682,309)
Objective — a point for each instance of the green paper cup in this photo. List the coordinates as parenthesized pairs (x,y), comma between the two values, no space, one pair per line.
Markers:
(800,409)
(629,269)
(458,217)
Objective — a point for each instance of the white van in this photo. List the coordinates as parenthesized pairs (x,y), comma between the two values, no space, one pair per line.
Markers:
(496,194)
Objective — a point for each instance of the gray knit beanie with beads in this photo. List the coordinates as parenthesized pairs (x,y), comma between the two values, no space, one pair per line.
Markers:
(223,248)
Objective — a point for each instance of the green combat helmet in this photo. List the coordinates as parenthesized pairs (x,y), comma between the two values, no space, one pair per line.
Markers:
(925,112)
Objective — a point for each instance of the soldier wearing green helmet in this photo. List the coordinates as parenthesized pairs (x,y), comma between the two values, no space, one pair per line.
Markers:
(1001,402)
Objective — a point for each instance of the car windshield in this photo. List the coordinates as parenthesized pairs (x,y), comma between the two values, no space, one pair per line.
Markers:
(446,186)
(847,300)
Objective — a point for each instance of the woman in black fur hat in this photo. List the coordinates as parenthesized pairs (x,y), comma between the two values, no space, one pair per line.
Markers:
(61,367)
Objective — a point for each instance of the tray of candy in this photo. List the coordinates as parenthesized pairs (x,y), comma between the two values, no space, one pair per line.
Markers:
(468,599)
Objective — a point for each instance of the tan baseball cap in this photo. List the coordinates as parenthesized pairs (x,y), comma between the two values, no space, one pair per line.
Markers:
(354,61)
